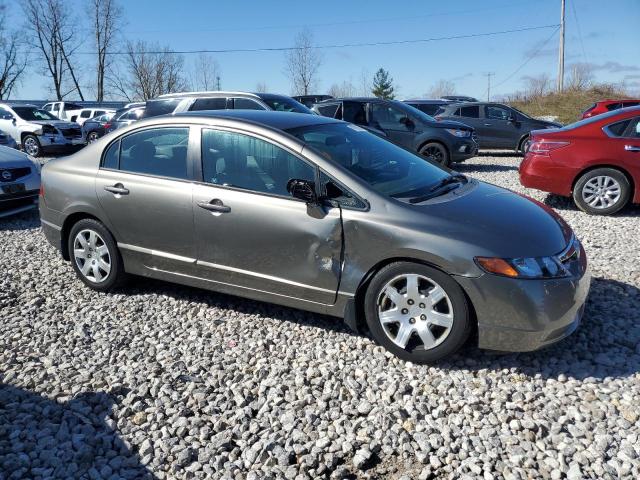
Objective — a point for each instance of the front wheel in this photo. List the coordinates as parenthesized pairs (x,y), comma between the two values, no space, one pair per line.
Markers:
(31,145)
(418,313)
(95,256)
(92,137)
(602,191)
(436,152)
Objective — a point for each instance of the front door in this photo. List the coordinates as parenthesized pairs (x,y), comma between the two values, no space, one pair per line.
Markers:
(251,233)
(502,126)
(144,187)
(395,123)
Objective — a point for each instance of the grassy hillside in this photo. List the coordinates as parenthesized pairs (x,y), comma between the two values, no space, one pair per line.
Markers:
(568,105)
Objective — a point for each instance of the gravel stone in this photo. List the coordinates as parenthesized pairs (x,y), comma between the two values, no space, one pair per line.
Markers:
(163,381)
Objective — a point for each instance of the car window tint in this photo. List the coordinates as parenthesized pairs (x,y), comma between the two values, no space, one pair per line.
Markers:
(614,106)
(242,161)
(219,103)
(246,104)
(428,108)
(354,112)
(472,111)
(85,114)
(110,157)
(630,104)
(634,131)
(98,112)
(496,113)
(338,193)
(160,151)
(388,117)
(618,128)
(161,107)
(328,110)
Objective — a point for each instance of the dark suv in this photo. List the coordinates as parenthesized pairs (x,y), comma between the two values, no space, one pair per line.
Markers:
(192,101)
(497,125)
(443,142)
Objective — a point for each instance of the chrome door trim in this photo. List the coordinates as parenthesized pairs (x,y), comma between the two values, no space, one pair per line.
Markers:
(156,253)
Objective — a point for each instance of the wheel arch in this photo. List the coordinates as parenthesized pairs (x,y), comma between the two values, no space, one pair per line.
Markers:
(437,140)
(632,183)
(67,225)
(521,140)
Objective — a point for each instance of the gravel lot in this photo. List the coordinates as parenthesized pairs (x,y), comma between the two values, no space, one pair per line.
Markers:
(162,381)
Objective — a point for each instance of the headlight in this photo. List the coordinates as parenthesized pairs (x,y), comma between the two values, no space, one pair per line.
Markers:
(456,132)
(532,267)
(49,130)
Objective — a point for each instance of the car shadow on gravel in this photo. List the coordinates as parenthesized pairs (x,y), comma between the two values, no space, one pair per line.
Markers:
(498,153)
(44,438)
(485,167)
(606,344)
(28,220)
(565,203)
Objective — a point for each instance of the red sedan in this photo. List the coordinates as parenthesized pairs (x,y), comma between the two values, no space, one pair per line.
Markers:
(597,161)
(605,106)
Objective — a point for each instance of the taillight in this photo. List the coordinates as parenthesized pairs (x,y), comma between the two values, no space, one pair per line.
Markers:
(543,147)
(107,126)
(41,193)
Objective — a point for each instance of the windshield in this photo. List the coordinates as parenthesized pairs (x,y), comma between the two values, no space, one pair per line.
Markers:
(33,113)
(387,168)
(283,104)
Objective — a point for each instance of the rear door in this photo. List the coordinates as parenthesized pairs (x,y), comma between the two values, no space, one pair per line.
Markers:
(251,233)
(144,185)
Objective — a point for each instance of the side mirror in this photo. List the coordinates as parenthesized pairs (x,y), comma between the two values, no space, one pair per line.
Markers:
(302,190)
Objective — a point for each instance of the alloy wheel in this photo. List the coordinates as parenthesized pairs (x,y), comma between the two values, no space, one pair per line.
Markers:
(601,192)
(434,153)
(92,137)
(415,312)
(31,146)
(91,255)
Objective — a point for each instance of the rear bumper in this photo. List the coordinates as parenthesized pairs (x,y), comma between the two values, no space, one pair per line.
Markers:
(542,173)
(524,315)
(51,225)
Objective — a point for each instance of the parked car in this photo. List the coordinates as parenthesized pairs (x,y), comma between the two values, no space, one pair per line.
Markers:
(442,142)
(596,161)
(124,117)
(605,106)
(63,110)
(87,113)
(19,182)
(7,140)
(459,98)
(321,215)
(37,131)
(195,101)
(310,100)
(497,125)
(430,107)
(94,128)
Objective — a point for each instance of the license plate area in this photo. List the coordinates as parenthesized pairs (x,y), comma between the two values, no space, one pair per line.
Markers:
(13,188)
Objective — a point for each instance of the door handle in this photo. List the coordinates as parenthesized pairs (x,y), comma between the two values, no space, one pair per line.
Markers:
(632,148)
(117,189)
(487,124)
(215,205)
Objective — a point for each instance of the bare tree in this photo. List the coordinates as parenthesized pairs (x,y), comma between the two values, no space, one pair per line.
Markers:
(261,87)
(580,77)
(344,89)
(302,64)
(537,86)
(106,16)
(12,62)
(149,71)
(206,73)
(53,34)
(441,88)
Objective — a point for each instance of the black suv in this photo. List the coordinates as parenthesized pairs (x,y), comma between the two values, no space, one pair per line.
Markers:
(497,125)
(191,101)
(444,142)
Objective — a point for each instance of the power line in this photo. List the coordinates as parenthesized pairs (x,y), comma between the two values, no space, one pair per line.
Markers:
(531,57)
(575,16)
(322,47)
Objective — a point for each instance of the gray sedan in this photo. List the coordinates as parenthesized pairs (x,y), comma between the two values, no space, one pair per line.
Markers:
(321,215)
(19,182)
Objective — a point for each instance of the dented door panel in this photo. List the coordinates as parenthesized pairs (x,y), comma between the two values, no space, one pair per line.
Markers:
(270,244)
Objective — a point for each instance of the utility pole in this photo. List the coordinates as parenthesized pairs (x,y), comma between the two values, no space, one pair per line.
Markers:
(561,50)
(489,75)
(218,83)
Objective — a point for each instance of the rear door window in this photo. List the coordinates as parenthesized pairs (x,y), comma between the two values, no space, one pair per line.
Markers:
(161,107)
(158,151)
(217,103)
(614,106)
(617,129)
(328,110)
(630,104)
(495,112)
(85,114)
(246,104)
(354,112)
(472,111)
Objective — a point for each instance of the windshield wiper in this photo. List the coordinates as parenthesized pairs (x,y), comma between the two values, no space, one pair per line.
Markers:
(438,188)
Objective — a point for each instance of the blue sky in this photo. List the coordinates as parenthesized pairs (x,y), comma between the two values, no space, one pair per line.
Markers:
(606,36)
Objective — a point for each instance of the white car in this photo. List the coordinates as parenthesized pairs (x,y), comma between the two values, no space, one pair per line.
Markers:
(63,110)
(19,182)
(87,113)
(37,131)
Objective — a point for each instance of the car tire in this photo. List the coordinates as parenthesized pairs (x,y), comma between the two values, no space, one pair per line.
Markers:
(436,152)
(96,260)
(31,145)
(523,146)
(602,191)
(92,136)
(429,322)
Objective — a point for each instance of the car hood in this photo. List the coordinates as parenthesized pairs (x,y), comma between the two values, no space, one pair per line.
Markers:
(10,157)
(494,221)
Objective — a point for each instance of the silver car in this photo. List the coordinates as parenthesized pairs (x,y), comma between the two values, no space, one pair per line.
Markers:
(318,214)
(19,182)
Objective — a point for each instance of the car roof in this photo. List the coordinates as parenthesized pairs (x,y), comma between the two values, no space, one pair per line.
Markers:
(269,118)
(214,93)
(429,101)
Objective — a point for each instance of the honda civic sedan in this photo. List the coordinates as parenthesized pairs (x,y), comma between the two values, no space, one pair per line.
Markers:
(322,215)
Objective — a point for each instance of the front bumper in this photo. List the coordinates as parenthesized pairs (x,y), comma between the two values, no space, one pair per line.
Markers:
(519,315)
(463,149)
(60,142)
(14,203)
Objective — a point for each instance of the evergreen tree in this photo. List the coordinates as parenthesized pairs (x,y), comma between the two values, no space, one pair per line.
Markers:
(383,84)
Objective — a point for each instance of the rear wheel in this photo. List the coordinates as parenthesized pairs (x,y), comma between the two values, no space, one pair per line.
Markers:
(436,152)
(95,256)
(417,312)
(602,191)
(92,137)
(523,146)
(31,145)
